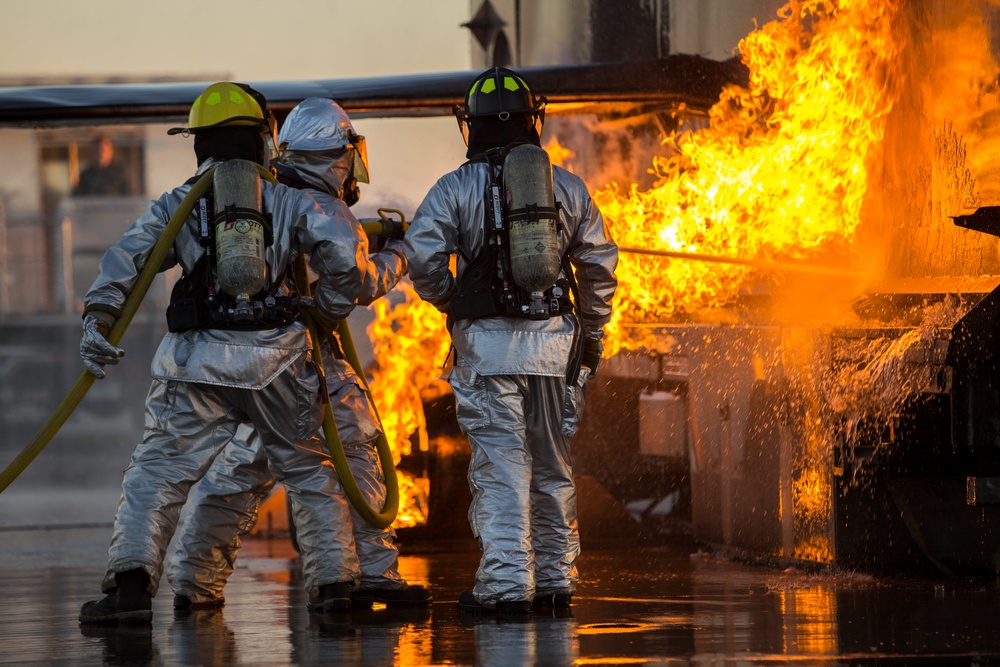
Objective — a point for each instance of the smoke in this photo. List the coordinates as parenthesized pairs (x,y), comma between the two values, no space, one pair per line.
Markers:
(605,151)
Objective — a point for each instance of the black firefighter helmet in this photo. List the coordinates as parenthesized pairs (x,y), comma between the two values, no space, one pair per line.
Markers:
(499,93)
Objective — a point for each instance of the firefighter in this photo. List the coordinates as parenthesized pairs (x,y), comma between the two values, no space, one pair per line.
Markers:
(321,153)
(222,364)
(523,352)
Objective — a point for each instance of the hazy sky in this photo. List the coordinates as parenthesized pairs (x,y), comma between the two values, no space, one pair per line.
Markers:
(253,40)
(250,39)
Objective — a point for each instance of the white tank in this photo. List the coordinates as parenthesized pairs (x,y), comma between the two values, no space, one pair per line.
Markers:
(534,241)
(239,243)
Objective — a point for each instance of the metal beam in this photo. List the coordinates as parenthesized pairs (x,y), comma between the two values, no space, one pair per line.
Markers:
(688,83)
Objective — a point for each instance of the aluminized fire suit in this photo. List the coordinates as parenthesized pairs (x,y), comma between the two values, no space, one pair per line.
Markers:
(224,505)
(510,387)
(207,382)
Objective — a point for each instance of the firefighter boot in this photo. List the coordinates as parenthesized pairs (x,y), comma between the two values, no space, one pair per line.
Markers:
(468,604)
(331,597)
(183,603)
(548,599)
(129,603)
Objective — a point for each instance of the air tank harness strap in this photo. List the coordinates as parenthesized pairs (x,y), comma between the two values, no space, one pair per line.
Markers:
(534,212)
(194,301)
(485,288)
(230,214)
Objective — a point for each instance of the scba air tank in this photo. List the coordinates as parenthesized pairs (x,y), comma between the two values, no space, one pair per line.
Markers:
(239,230)
(531,215)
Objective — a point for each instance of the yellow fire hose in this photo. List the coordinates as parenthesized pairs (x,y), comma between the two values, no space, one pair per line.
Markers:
(333,443)
(129,309)
(131,305)
(379,519)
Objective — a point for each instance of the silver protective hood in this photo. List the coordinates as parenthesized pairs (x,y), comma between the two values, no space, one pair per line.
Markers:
(320,125)
(316,124)
(326,171)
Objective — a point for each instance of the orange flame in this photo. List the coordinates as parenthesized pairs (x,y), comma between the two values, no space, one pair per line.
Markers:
(781,170)
(410,343)
(558,154)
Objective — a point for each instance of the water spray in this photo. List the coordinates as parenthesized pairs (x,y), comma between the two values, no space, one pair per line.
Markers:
(763,264)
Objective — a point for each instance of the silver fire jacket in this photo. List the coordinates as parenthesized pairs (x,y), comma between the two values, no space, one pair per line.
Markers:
(383,269)
(451,221)
(223,507)
(338,253)
(325,172)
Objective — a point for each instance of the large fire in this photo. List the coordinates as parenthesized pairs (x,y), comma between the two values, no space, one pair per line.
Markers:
(812,163)
(780,172)
(411,343)
(787,172)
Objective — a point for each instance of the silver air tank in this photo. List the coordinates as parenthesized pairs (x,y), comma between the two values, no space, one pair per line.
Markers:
(239,237)
(531,213)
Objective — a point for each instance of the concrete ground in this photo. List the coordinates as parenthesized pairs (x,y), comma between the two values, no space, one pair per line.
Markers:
(639,602)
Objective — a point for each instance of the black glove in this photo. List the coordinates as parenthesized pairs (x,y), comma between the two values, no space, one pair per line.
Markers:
(391,229)
(324,325)
(592,349)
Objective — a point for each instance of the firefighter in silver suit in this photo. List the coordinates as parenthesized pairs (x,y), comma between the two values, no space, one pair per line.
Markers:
(215,370)
(519,381)
(320,152)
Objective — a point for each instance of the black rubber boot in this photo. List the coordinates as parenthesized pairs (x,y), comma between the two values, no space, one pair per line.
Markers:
(408,596)
(552,599)
(332,597)
(183,603)
(468,603)
(129,603)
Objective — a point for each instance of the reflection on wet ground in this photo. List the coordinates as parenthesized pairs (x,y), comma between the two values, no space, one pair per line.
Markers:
(665,604)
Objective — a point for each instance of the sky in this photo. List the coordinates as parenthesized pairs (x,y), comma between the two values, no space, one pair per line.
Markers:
(253,40)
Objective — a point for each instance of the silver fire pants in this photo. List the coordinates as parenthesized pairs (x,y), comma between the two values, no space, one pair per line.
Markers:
(187,425)
(523,508)
(224,506)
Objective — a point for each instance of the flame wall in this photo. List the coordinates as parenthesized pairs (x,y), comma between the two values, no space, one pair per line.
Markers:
(866,124)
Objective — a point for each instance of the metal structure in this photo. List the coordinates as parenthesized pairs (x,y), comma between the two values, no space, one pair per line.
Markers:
(667,84)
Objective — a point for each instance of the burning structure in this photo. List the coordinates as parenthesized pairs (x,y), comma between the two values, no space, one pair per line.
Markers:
(803,339)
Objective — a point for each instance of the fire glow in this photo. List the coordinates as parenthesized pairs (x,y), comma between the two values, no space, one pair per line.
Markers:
(779,174)
(780,171)
(411,343)
(790,170)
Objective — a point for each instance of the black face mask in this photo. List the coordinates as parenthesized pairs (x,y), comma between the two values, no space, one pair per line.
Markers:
(352,193)
(487,133)
(236,142)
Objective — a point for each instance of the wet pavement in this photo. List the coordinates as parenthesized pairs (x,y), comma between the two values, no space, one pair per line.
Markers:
(667,604)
